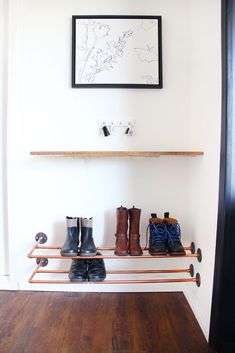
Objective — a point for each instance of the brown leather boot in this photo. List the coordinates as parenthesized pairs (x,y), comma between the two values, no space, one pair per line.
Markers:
(134,236)
(121,248)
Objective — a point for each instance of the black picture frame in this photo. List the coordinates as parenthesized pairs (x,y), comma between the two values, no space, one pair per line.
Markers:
(117,52)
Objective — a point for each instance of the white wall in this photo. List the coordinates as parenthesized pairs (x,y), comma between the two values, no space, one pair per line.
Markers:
(45,113)
(205,124)
(3,83)
(48,114)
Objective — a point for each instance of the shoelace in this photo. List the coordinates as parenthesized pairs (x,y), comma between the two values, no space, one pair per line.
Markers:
(158,233)
(173,232)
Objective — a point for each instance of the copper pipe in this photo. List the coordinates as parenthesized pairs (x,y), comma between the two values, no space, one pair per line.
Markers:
(146,248)
(35,272)
(48,247)
(123,271)
(59,247)
(109,256)
(169,280)
(52,271)
(98,248)
(114,272)
(35,246)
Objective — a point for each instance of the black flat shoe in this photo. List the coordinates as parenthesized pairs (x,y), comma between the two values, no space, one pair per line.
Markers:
(96,270)
(78,271)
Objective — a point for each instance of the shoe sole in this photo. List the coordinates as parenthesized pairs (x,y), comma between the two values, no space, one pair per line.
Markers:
(177,253)
(96,279)
(88,254)
(158,253)
(69,254)
(118,254)
(77,280)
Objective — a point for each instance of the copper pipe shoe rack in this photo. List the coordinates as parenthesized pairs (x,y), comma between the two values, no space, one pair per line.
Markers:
(42,261)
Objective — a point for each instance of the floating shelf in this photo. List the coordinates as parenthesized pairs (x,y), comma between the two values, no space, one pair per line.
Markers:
(81,154)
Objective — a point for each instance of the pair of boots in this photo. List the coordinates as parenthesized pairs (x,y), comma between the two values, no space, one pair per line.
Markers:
(164,236)
(92,270)
(75,227)
(123,245)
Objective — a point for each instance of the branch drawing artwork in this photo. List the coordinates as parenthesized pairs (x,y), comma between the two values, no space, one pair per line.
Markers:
(93,59)
(147,54)
(117,51)
(148,24)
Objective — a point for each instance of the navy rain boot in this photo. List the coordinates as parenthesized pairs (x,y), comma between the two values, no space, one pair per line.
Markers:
(87,247)
(70,247)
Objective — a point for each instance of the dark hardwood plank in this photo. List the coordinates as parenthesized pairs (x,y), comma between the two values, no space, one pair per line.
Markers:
(57,322)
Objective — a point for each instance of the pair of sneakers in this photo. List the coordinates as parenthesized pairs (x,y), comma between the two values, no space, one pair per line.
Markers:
(164,236)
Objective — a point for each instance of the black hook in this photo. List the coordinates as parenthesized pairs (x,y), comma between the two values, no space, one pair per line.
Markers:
(105,130)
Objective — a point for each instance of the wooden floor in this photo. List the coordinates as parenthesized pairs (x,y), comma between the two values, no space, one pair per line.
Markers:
(53,322)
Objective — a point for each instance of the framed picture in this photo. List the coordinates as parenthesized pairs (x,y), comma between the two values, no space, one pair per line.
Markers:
(117,51)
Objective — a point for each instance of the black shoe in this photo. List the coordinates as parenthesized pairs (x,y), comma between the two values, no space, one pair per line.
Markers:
(70,247)
(87,243)
(78,271)
(173,233)
(157,237)
(96,270)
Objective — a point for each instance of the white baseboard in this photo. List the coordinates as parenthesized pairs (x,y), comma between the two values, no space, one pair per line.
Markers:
(194,304)
(4,282)
(7,284)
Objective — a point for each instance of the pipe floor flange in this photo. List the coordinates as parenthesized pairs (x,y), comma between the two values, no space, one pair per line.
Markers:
(41,237)
(191,270)
(198,279)
(199,255)
(193,248)
(43,262)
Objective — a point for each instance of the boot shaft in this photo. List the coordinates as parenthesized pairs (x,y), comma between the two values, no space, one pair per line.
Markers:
(73,227)
(87,222)
(72,222)
(87,247)
(134,230)
(122,220)
(70,247)
(134,220)
(121,247)
(86,228)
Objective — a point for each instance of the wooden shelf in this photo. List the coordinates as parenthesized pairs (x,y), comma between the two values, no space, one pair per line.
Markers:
(82,154)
